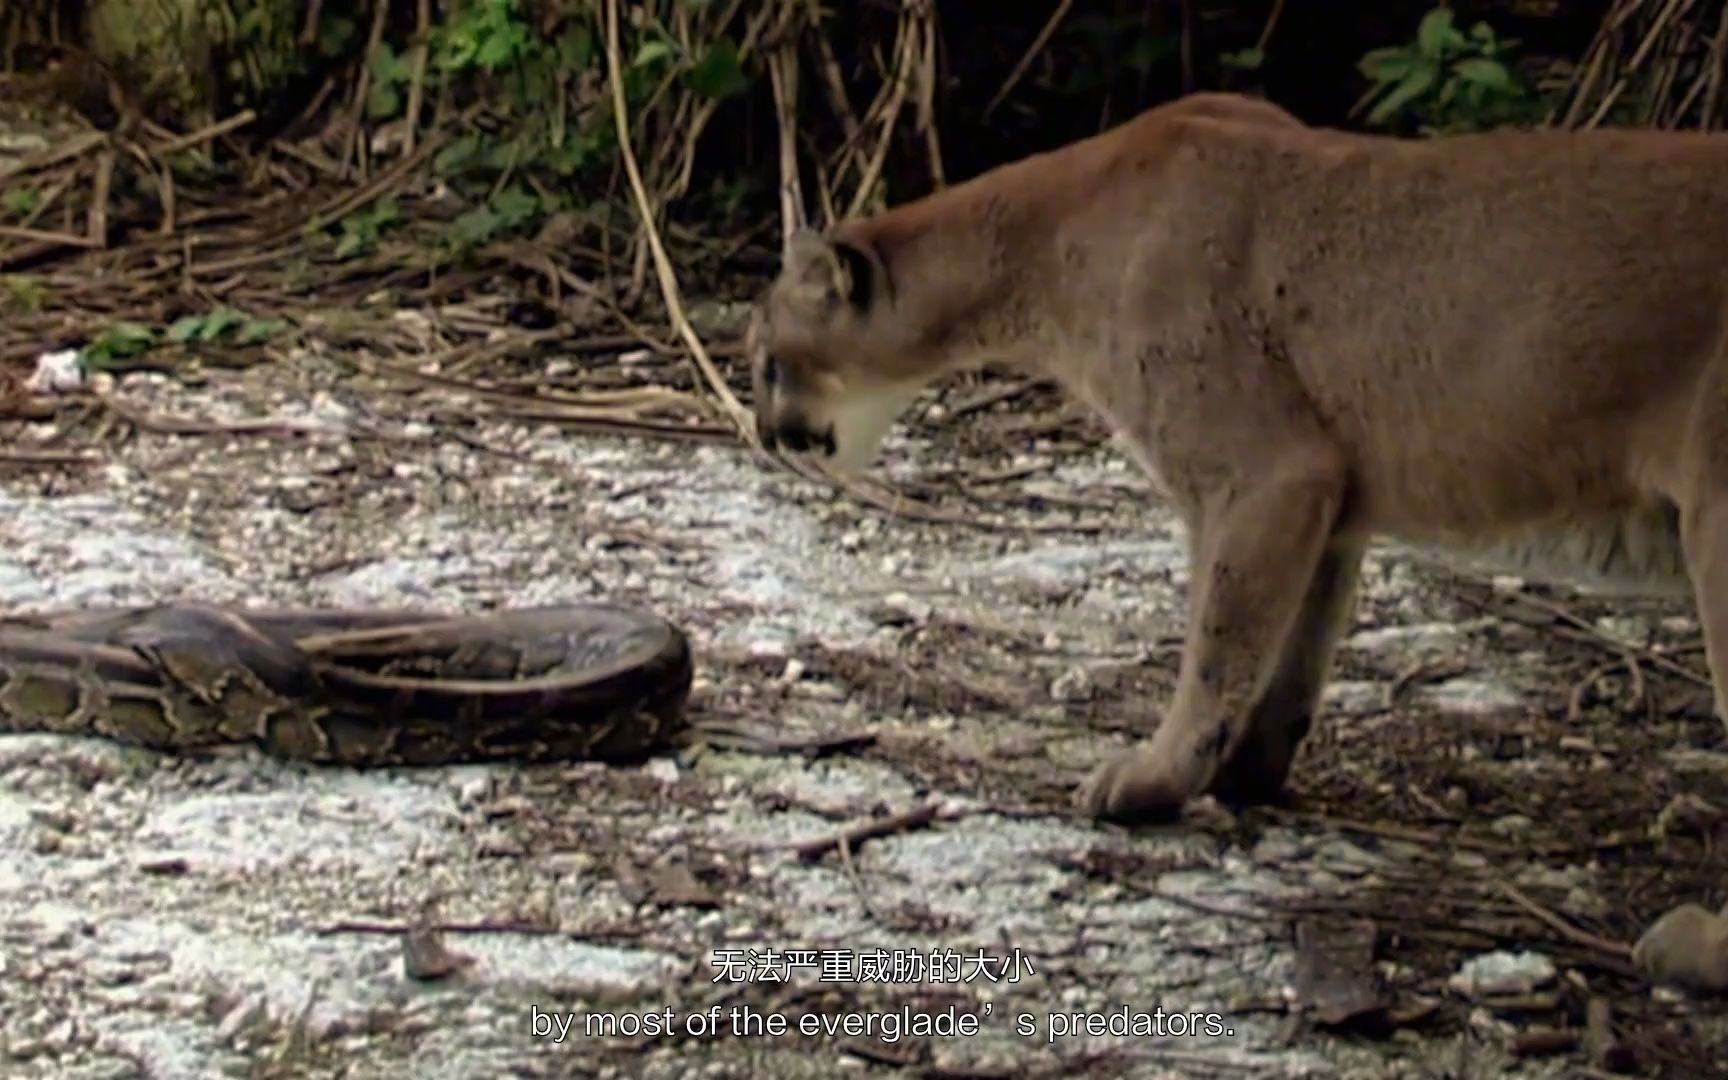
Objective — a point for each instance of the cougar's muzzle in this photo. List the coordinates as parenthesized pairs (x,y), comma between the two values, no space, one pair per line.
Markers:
(796,435)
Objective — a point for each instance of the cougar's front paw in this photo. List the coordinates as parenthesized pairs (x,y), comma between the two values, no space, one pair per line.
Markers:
(1134,789)
(1253,777)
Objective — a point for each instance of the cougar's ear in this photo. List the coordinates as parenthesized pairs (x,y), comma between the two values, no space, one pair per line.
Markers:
(826,272)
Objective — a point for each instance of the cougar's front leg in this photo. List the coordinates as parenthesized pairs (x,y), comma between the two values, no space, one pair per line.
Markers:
(1256,554)
(1278,723)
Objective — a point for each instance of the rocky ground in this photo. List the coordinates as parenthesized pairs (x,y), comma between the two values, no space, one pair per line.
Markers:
(1510,785)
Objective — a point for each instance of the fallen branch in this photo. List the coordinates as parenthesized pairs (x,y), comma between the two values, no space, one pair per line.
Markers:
(1571,933)
(905,821)
(668,279)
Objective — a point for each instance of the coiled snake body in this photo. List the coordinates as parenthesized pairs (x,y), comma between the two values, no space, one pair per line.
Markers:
(353,687)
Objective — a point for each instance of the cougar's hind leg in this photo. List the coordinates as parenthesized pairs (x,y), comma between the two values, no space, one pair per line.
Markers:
(1704,537)
(1699,487)
(1285,712)
(1256,552)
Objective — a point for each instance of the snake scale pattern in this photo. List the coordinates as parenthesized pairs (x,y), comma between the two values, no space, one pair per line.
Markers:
(355,687)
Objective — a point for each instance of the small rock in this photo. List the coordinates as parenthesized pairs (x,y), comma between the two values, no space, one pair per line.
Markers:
(58,820)
(1687,947)
(768,649)
(499,845)
(1685,813)
(241,1018)
(1585,902)
(890,614)
(57,373)
(474,791)
(425,957)
(1499,973)
(165,865)
(1510,825)
(508,806)
(665,770)
(1075,684)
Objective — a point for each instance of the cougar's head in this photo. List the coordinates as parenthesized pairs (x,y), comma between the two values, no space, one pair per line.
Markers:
(831,363)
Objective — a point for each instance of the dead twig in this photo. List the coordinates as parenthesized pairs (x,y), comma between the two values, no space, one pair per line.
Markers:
(1590,941)
(204,134)
(1018,71)
(489,926)
(905,821)
(43,236)
(47,457)
(355,136)
(1581,629)
(417,73)
(662,263)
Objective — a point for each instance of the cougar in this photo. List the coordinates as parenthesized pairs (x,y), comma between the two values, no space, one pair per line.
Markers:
(1511,346)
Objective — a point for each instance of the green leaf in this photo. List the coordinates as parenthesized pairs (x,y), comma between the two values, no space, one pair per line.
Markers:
(455,50)
(513,206)
(1488,74)
(1245,59)
(1434,32)
(382,101)
(217,321)
(568,159)
(658,49)
(1148,50)
(353,242)
(23,290)
(185,328)
(334,34)
(457,156)
(475,226)
(120,339)
(387,67)
(1475,97)
(575,48)
(20,201)
(258,331)
(501,46)
(1386,65)
(718,74)
(1420,80)
(505,155)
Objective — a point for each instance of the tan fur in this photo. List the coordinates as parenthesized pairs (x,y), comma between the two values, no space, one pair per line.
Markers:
(1509,346)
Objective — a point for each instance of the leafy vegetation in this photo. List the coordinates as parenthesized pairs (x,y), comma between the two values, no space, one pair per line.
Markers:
(218,322)
(549,132)
(20,201)
(1446,81)
(22,292)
